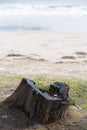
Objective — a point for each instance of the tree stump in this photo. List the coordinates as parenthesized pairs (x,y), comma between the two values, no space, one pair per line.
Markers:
(45,107)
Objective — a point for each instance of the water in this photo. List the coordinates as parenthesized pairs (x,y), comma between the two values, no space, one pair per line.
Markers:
(58,2)
(51,15)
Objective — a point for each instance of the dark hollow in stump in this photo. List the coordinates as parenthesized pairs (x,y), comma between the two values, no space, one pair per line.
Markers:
(43,106)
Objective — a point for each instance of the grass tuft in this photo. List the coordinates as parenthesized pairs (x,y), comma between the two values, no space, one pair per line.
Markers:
(78,87)
(9,81)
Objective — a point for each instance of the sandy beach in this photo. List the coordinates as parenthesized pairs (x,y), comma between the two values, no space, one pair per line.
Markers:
(39,52)
(33,53)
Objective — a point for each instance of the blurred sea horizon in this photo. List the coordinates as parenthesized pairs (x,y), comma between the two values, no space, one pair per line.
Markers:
(51,15)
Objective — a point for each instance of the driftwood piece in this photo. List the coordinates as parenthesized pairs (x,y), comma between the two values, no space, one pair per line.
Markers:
(45,107)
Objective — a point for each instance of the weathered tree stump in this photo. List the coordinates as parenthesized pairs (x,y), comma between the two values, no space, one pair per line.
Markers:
(46,107)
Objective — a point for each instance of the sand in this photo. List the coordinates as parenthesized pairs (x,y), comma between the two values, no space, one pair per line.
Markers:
(34,53)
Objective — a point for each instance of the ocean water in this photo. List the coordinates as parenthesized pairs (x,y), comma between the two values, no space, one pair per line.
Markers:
(51,15)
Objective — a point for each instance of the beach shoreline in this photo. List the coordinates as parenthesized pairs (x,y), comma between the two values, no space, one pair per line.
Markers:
(40,52)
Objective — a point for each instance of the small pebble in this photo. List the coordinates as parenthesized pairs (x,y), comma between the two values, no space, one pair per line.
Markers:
(4,116)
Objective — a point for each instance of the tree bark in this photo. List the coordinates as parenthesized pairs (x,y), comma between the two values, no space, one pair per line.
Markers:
(40,105)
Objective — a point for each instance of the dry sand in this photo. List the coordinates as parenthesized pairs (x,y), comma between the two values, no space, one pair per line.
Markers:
(38,52)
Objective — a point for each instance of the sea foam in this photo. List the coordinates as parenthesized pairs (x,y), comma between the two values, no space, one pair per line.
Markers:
(24,9)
